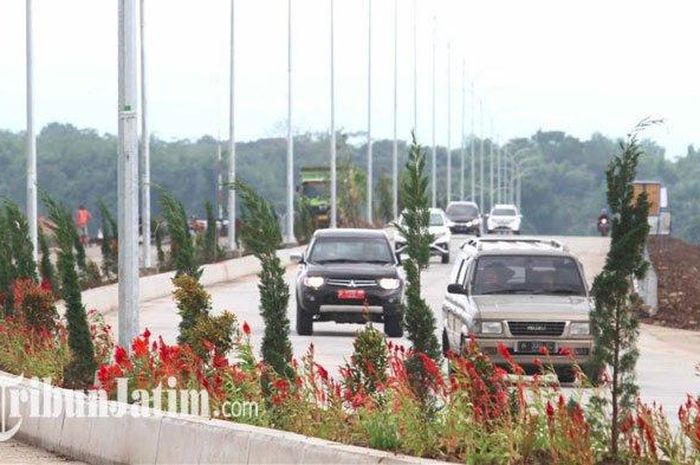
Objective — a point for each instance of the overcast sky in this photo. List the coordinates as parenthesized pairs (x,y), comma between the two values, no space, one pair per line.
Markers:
(576,66)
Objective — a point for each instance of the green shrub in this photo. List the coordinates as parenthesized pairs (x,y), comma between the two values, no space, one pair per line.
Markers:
(182,250)
(46,268)
(80,371)
(110,242)
(369,361)
(260,233)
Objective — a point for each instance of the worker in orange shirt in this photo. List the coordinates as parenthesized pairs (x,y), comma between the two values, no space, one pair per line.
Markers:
(82,218)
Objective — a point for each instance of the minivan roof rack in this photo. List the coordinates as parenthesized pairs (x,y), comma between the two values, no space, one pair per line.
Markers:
(513,242)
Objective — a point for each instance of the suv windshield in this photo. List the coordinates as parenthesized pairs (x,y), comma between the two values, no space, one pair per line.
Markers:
(462,211)
(351,250)
(518,274)
(503,212)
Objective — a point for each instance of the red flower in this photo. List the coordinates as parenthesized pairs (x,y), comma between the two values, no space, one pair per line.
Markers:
(565,351)
(120,355)
(550,410)
(544,351)
(140,346)
(322,372)
(246,328)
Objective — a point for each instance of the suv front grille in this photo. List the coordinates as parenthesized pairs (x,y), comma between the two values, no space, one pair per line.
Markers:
(536,328)
(351,282)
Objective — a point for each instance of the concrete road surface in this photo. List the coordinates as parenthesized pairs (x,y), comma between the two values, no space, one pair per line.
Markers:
(13,452)
(666,368)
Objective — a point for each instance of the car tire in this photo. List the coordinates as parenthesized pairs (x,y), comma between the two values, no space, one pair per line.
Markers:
(567,376)
(305,323)
(445,258)
(392,325)
(445,344)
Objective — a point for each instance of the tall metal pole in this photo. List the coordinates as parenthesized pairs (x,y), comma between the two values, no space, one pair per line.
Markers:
(449,122)
(499,175)
(219,182)
(369,113)
(290,138)
(128,191)
(481,154)
(232,137)
(334,209)
(395,157)
(30,144)
(461,149)
(472,152)
(415,68)
(519,187)
(145,153)
(434,161)
(491,173)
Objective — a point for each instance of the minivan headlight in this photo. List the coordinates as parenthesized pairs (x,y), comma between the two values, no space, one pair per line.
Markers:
(580,329)
(389,283)
(491,327)
(313,281)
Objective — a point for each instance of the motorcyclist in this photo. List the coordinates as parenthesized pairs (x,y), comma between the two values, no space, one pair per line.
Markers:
(603,215)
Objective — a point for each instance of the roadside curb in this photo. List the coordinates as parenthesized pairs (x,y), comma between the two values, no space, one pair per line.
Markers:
(162,437)
(106,298)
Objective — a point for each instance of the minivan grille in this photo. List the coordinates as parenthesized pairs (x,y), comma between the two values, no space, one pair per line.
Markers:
(351,282)
(536,328)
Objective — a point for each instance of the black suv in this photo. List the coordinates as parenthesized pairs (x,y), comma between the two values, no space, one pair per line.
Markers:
(349,276)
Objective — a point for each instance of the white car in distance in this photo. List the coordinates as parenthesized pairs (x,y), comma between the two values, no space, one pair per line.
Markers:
(504,219)
(438,227)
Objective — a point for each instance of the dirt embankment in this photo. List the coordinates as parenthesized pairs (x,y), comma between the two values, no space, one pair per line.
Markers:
(677,264)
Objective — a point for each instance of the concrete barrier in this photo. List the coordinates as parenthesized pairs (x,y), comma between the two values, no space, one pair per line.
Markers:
(648,287)
(161,437)
(106,298)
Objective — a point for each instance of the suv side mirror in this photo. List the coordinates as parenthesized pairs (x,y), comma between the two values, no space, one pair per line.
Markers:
(297,257)
(398,258)
(456,288)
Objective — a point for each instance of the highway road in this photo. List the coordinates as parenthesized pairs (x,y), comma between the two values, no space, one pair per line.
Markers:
(13,452)
(666,369)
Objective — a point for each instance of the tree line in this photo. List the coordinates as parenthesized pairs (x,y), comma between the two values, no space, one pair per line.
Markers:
(563,190)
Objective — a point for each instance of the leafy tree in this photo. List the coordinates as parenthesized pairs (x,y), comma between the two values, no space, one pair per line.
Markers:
(157,234)
(386,198)
(7,270)
(351,194)
(182,250)
(46,268)
(260,233)
(80,371)
(615,323)
(211,249)
(419,319)
(19,242)
(110,241)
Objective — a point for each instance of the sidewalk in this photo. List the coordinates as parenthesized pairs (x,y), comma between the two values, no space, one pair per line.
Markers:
(13,452)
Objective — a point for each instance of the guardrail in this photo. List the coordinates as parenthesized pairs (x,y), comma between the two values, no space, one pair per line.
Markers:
(106,298)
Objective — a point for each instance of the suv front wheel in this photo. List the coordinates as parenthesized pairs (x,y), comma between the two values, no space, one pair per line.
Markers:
(392,325)
(305,323)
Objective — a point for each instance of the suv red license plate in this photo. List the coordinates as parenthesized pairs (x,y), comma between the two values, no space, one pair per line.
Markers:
(351,294)
(533,347)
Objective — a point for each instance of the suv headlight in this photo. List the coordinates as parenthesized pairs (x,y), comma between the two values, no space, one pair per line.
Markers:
(491,327)
(580,329)
(313,281)
(389,283)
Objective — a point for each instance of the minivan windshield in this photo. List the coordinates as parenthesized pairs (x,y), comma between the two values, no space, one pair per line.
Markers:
(462,211)
(436,219)
(351,250)
(503,212)
(518,274)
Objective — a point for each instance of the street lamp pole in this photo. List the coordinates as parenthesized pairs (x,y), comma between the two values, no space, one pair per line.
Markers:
(449,123)
(145,152)
(369,113)
(434,161)
(290,137)
(128,175)
(232,138)
(395,155)
(461,150)
(334,209)
(30,136)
